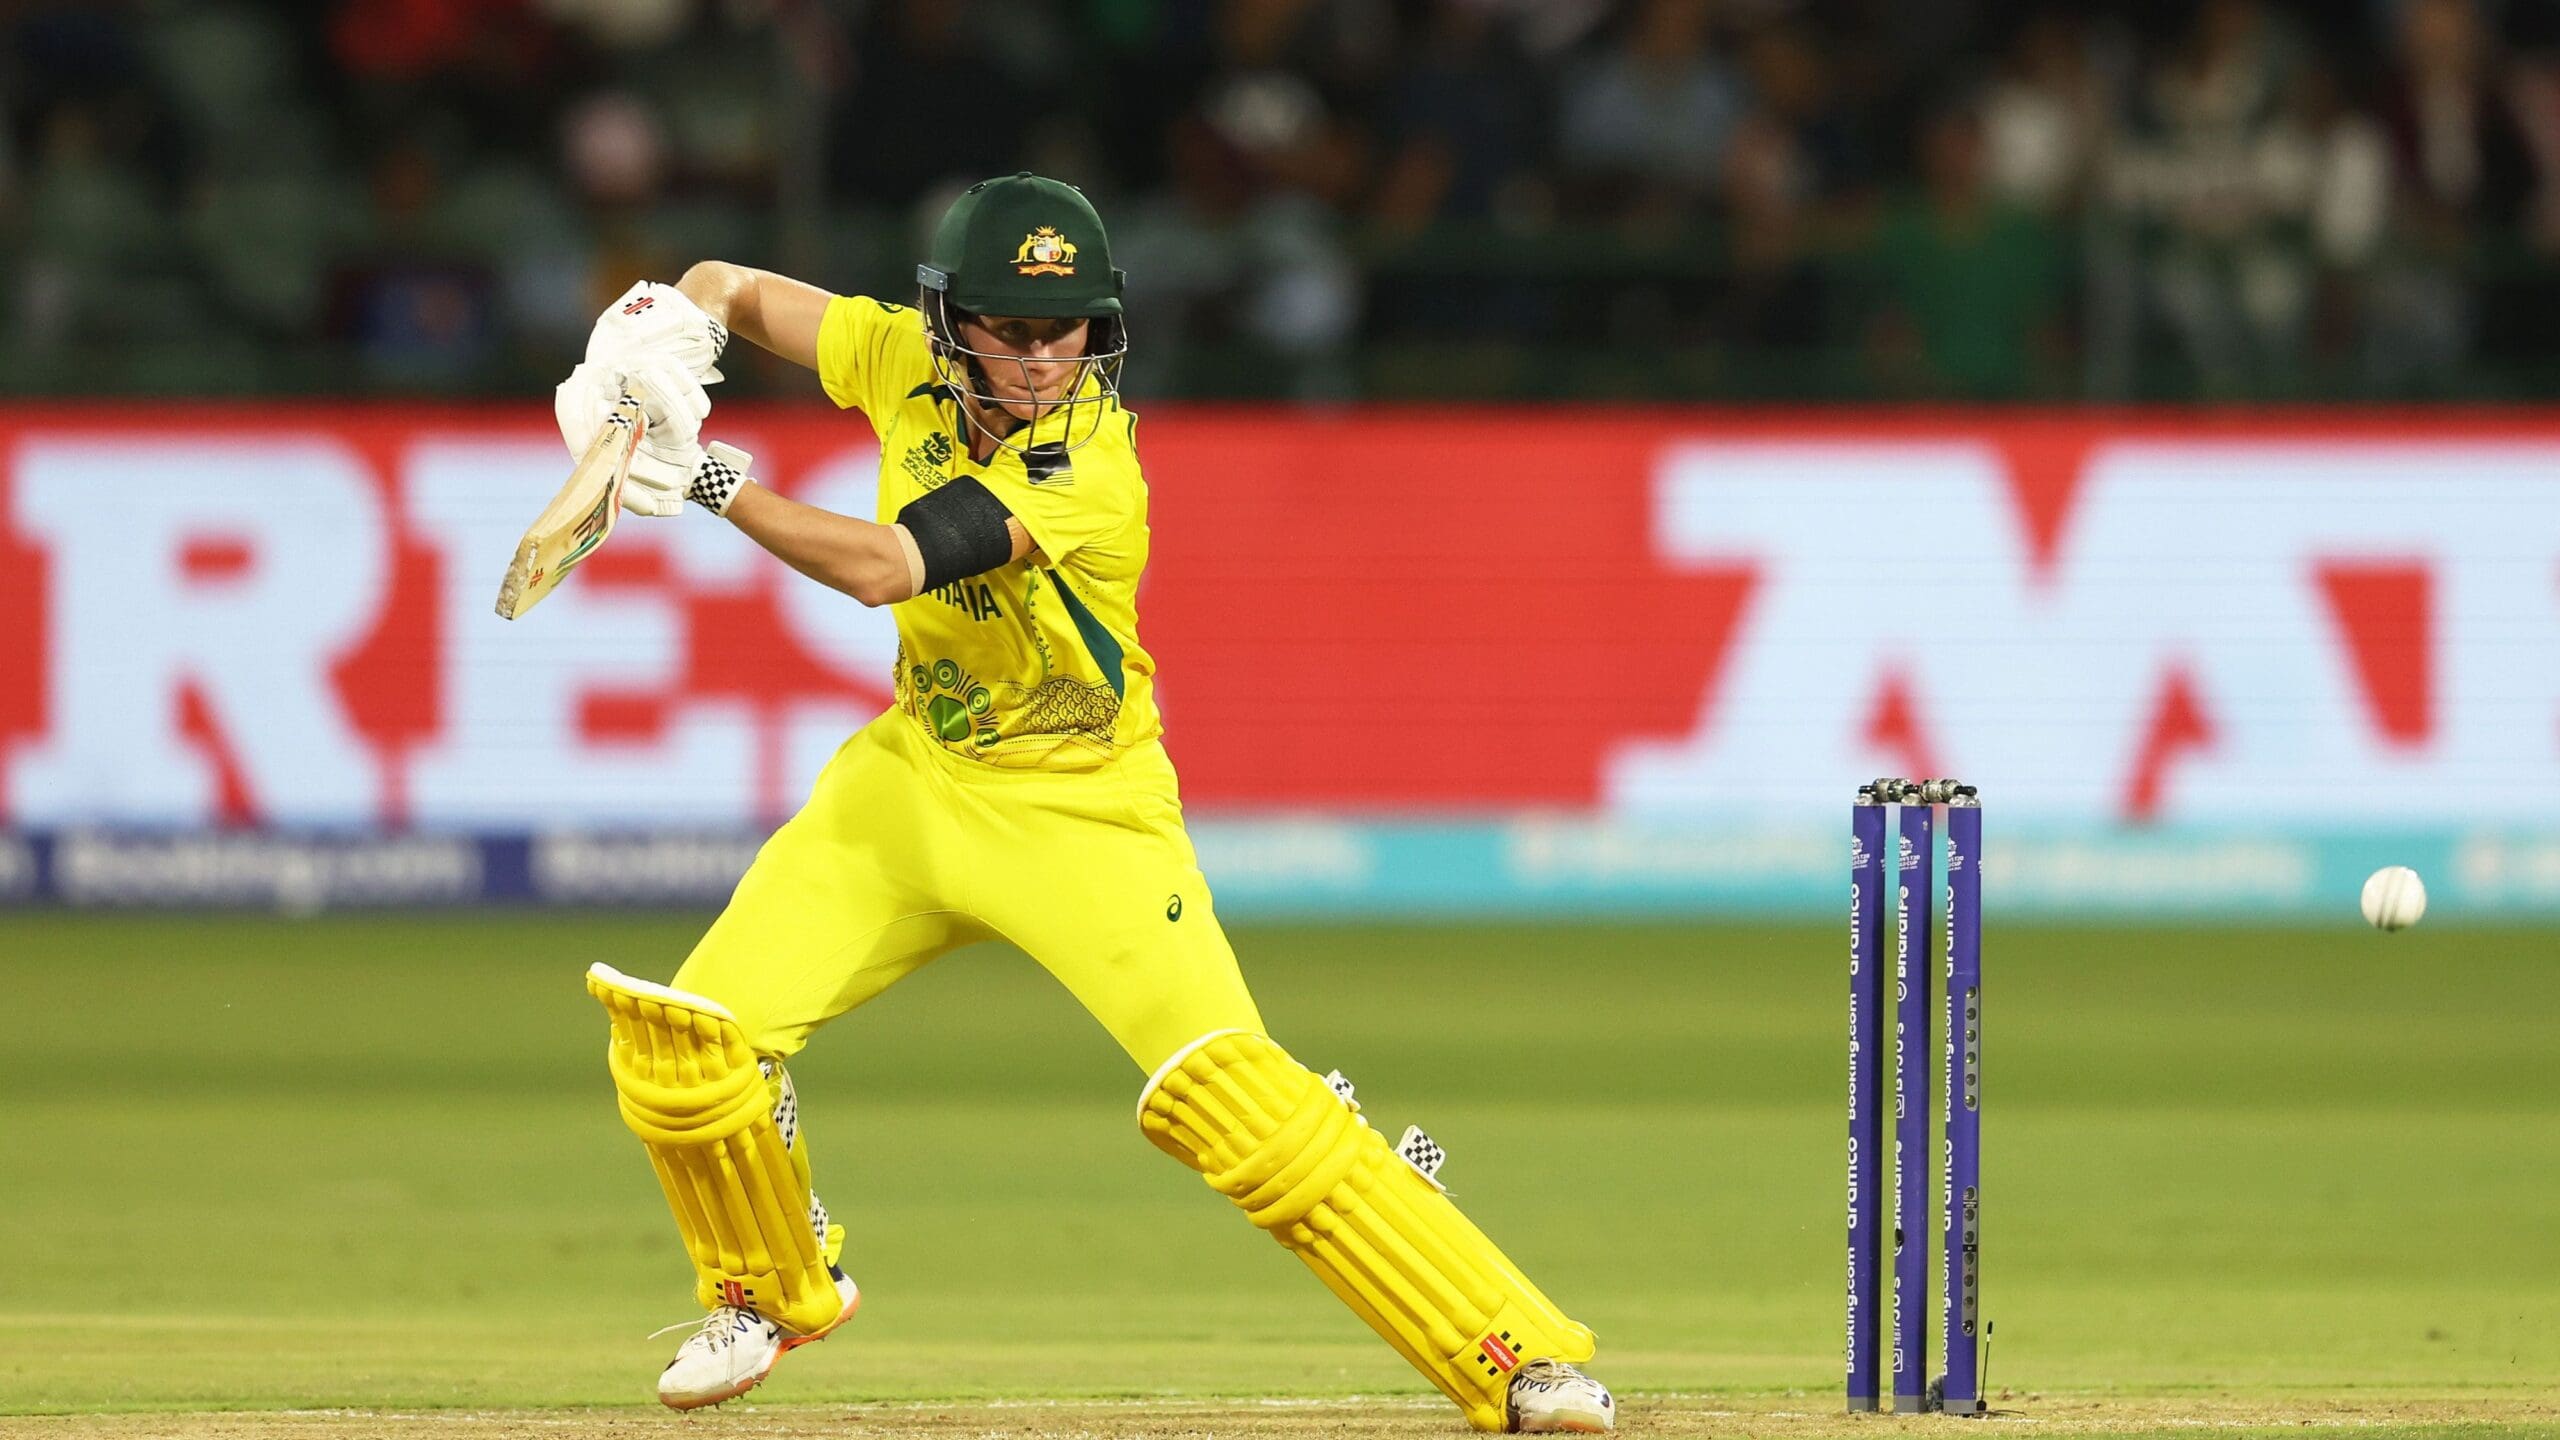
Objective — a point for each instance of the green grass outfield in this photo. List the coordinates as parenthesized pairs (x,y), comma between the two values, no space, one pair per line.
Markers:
(373,1163)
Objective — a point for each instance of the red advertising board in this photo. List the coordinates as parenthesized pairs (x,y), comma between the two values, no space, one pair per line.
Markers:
(261,614)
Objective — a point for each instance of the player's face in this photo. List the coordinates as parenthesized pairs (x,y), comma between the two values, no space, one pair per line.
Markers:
(1033,362)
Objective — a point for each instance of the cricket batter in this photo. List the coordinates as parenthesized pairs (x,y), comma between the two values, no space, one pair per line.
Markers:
(1017,790)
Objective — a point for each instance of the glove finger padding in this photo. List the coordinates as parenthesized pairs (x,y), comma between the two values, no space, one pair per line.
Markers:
(674,403)
(1299,1160)
(581,404)
(651,497)
(661,470)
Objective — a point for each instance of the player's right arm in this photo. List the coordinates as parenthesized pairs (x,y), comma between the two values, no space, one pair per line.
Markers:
(931,542)
(773,311)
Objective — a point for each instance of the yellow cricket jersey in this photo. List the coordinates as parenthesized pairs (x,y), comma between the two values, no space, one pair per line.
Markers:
(1034,665)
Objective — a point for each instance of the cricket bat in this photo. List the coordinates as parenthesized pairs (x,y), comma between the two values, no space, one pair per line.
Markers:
(578,518)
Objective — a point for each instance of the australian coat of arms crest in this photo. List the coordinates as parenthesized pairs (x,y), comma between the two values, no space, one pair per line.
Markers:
(1045,252)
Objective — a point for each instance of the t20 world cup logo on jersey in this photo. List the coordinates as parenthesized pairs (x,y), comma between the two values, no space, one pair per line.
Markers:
(928,460)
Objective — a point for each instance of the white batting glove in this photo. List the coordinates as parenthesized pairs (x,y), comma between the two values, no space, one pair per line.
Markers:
(652,320)
(672,407)
(581,404)
(714,473)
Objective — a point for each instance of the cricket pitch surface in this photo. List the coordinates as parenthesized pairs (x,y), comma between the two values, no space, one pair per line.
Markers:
(1789,1418)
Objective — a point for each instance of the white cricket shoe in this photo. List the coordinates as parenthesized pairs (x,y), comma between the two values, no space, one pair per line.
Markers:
(734,1350)
(1549,1395)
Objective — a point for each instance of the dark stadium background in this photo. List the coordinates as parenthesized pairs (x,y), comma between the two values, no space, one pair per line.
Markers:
(1320,200)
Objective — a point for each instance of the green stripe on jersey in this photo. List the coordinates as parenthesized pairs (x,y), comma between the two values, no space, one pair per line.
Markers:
(1106,650)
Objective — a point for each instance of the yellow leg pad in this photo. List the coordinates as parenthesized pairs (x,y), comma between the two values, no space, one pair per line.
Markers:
(692,1091)
(1301,1163)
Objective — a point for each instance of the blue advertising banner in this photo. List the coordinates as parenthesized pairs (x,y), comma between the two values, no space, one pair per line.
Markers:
(1325,868)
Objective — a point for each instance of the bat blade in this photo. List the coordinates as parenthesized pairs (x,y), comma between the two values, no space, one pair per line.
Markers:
(578,519)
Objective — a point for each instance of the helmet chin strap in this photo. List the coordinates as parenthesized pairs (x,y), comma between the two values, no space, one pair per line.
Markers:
(982,413)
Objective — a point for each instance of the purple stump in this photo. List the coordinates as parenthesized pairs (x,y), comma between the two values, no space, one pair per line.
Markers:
(1915,861)
(1866,1089)
(1963,1195)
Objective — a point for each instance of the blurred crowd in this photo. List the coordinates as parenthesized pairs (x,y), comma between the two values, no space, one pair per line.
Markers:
(1319,199)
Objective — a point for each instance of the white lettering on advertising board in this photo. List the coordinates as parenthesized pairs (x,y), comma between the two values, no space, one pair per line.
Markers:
(2256,631)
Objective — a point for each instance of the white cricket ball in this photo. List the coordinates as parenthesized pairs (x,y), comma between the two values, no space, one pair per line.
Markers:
(2394,898)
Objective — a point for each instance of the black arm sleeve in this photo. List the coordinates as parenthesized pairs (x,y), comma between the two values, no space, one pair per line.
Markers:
(959,530)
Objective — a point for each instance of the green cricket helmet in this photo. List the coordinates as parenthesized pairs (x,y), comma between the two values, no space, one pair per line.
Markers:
(1027,246)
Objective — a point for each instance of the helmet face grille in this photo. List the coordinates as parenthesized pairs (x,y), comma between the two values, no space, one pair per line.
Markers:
(965,372)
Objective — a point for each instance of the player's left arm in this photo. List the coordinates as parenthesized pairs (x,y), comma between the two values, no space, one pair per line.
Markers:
(773,311)
(934,541)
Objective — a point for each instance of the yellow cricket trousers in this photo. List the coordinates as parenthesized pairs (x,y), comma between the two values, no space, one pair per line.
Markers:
(905,851)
